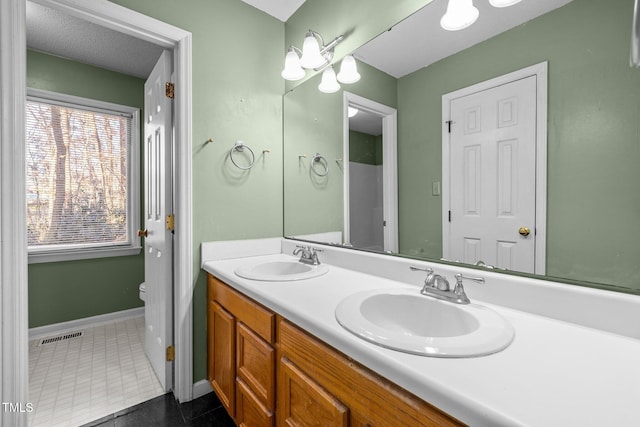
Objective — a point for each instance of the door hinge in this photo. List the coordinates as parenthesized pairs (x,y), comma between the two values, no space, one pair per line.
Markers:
(171,353)
(171,222)
(448,122)
(449,216)
(169,90)
(384,223)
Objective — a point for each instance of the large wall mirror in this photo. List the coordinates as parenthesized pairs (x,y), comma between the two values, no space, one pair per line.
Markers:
(592,149)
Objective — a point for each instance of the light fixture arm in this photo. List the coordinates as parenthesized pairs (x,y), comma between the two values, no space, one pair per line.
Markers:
(326,51)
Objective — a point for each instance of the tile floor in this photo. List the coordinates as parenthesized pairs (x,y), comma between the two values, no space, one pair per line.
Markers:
(164,411)
(74,381)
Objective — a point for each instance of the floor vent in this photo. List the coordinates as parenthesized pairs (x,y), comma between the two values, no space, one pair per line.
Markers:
(52,340)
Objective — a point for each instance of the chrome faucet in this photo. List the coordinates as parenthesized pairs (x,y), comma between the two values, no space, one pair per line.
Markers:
(308,255)
(438,286)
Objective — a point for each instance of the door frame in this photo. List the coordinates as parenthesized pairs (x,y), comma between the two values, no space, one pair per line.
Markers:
(13,245)
(389,165)
(540,71)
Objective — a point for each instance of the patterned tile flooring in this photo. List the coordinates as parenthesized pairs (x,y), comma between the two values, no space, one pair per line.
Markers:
(78,380)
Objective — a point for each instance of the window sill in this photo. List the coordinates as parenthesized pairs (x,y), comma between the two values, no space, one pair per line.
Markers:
(71,255)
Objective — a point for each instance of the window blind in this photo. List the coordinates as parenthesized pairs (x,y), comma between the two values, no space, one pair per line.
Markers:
(77,171)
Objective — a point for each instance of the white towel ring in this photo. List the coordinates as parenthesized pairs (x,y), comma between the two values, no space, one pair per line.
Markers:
(240,146)
(323,169)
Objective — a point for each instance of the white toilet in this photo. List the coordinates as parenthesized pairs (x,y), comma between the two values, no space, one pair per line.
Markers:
(142,291)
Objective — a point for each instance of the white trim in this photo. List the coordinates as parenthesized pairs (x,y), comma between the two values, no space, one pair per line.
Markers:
(201,388)
(540,72)
(13,239)
(55,253)
(389,165)
(84,323)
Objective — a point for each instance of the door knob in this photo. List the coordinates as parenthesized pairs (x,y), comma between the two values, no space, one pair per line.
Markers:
(524,231)
(143,233)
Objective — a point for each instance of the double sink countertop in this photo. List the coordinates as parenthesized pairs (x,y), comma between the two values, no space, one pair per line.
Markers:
(554,373)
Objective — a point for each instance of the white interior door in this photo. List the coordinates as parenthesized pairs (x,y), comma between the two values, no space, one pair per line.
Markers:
(493,176)
(158,264)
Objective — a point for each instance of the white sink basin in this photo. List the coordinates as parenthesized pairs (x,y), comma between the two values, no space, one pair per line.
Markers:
(405,320)
(280,271)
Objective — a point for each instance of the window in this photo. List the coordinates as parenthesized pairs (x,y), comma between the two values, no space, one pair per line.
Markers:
(82,166)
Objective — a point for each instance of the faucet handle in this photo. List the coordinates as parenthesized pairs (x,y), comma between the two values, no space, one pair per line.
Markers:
(427,269)
(459,278)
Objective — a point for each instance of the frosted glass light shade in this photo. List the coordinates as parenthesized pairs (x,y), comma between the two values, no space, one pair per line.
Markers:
(329,84)
(460,14)
(311,57)
(292,69)
(348,70)
(503,3)
(352,111)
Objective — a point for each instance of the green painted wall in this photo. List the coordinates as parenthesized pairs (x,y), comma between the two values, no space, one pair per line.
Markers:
(365,148)
(237,95)
(313,124)
(64,291)
(593,138)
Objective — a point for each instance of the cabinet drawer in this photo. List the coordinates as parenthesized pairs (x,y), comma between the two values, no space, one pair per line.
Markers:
(255,364)
(374,400)
(250,412)
(302,402)
(252,314)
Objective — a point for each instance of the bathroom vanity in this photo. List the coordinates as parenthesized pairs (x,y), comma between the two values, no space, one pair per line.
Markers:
(278,356)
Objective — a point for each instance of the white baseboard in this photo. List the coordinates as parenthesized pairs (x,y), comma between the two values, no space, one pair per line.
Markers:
(201,388)
(59,328)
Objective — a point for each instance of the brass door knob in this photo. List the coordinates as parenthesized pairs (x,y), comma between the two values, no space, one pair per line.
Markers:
(524,231)
(143,233)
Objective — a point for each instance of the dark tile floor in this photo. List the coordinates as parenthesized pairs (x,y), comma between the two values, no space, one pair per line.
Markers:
(165,411)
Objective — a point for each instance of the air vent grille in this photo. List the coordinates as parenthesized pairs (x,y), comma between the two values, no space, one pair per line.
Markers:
(51,340)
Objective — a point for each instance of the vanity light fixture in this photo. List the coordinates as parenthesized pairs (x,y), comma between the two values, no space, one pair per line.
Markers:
(460,14)
(352,111)
(503,3)
(329,84)
(317,56)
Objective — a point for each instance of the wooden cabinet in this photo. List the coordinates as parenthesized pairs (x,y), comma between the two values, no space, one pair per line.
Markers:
(241,356)
(266,371)
(328,379)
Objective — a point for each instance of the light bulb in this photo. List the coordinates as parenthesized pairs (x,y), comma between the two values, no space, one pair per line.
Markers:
(460,14)
(348,70)
(329,84)
(311,57)
(503,3)
(292,69)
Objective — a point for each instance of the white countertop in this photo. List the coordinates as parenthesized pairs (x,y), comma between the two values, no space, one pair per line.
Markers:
(554,373)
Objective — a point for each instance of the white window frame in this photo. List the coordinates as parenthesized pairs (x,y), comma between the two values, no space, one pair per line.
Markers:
(86,251)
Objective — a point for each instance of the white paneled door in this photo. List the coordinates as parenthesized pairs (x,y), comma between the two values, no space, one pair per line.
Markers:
(158,208)
(492,169)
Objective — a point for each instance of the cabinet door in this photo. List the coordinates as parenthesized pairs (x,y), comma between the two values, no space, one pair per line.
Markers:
(255,364)
(250,412)
(222,355)
(302,402)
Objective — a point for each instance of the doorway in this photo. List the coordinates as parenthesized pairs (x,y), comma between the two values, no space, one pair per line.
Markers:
(370,189)
(494,172)
(14,249)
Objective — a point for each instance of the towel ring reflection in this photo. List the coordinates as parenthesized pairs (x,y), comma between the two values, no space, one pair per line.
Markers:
(240,146)
(319,160)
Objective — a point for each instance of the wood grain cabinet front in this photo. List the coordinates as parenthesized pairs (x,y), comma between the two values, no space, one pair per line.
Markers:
(241,356)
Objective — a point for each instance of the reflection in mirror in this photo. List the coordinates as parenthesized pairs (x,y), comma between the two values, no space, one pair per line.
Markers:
(592,203)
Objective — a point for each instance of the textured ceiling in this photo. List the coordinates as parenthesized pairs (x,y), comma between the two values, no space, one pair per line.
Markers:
(60,34)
